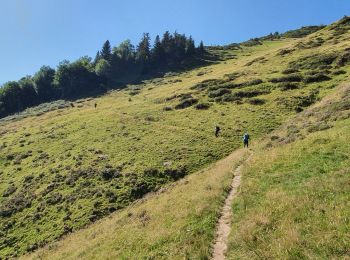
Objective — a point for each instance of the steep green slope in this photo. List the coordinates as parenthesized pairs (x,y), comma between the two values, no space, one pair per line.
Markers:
(67,168)
(292,204)
(175,223)
(294,199)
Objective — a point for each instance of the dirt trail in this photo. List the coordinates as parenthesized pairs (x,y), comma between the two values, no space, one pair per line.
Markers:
(224,223)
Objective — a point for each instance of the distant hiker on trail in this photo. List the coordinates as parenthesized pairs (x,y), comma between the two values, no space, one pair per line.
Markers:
(217,131)
(246,139)
(95,105)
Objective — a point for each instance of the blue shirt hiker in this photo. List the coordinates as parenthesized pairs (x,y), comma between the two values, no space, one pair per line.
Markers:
(246,140)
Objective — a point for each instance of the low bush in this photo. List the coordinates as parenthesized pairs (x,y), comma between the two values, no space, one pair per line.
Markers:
(289,71)
(207,83)
(314,43)
(177,173)
(202,106)
(175,81)
(180,96)
(134,92)
(314,61)
(228,98)
(232,76)
(16,203)
(10,190)
(288,86)
(259,59)
(171,98)
(305,101)
(315,72)
(184,96)
(186,103)
(109,173)
(54,198)
(343,59)
(319,126)
(251,42)
(339,72)
(316,78)
(285,51)
(288,78)
(256,101)
(250,93)
(218,92)
(252,82)
(340,31)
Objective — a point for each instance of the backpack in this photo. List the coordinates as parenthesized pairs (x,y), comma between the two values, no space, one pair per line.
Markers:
(245,137)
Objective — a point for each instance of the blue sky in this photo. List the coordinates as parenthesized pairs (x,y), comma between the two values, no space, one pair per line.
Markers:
(44,32)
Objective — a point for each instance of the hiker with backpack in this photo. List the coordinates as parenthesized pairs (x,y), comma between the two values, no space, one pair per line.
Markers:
(217,131)
(246,139)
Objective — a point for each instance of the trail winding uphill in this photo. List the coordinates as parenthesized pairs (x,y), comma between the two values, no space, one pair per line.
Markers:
(224,223)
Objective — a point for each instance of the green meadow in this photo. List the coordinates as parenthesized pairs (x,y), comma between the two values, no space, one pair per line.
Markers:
(64,168)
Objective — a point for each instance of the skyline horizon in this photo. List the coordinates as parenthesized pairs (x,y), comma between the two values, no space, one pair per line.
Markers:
(152,39)
(69,33)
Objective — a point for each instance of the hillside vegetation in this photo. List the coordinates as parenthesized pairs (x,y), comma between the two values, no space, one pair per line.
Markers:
(175,223)
(111,69)
(64,169)
(294,200)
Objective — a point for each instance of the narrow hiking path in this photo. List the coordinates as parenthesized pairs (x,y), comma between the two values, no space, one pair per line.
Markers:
(224,224)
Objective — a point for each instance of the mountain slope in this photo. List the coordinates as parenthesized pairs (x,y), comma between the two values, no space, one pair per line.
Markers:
(65,169)
(175,223)
(294,200)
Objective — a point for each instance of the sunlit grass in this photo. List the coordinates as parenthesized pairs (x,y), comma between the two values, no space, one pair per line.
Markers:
(60,162)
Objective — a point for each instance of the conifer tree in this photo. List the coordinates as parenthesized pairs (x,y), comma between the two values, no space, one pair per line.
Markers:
(190,46)
(201,47)
(106,52)
(179,48)
(143,49)
(167,42)
(157,51)
(97,57)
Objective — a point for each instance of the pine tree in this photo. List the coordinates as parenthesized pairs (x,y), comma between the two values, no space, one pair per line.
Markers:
(106,52)
(157,51)
(143,49)
(97,57)
(201,47)
(144,53)
(179,49)
(167,43)
(190,46)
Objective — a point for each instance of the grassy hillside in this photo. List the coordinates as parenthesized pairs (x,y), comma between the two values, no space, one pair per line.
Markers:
(294,200)
(64,169)
(175,223)
(292,204)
